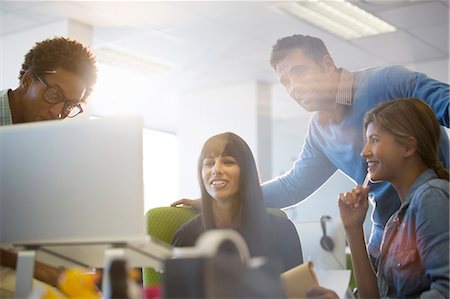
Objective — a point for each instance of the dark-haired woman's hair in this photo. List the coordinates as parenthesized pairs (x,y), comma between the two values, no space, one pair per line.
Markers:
(411,117)
(65,53)
(251,212)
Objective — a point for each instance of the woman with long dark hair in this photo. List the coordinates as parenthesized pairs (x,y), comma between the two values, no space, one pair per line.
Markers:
(232,198)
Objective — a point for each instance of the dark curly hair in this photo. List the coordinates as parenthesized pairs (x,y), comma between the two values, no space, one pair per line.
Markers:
(65,53)
(312,47)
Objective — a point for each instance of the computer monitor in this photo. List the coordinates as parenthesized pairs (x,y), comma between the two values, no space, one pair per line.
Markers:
(72,181)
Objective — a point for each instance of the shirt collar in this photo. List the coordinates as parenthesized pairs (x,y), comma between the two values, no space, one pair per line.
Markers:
(344,97)
(5,112)
(344,94)
(425,176)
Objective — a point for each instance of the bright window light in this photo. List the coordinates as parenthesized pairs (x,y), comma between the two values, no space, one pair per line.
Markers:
(160,169)
(338,17)
(121,92)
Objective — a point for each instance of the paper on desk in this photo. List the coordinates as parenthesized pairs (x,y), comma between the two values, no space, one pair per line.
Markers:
(336,280)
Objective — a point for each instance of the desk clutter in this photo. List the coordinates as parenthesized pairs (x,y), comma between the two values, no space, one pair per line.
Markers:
(218,266)
(77,283)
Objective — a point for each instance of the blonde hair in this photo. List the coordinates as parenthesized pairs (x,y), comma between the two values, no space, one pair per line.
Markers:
(411,117)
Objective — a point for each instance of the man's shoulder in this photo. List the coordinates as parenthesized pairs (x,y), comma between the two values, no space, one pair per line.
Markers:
(4,95)
(382,71)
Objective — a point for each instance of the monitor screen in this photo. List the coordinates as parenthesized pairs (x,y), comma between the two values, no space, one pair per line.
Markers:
(72,181)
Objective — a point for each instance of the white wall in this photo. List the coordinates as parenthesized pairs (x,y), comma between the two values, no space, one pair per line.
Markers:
(204,113)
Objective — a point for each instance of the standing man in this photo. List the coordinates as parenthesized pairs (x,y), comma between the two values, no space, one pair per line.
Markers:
(340,99)
(56,78)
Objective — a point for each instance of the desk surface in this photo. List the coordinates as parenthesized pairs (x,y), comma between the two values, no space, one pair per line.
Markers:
(91,254)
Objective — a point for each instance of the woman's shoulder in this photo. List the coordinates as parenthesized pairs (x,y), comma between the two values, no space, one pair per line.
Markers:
(188,233)
(431,199)
(434,188)
(195,224)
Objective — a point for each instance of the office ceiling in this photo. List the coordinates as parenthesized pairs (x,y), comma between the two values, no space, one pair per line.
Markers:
(219,42)
(216,43)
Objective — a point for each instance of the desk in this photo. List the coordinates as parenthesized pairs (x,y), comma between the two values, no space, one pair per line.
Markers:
(143,253)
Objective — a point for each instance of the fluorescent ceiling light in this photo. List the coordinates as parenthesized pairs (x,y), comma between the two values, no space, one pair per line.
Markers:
(133,61)
(338,17)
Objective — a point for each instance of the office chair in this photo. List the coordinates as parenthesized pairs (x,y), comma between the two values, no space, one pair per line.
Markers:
(163,222)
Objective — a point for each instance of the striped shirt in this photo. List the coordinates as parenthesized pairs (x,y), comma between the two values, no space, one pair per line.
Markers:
(344,97)
(5,110)
(344,93)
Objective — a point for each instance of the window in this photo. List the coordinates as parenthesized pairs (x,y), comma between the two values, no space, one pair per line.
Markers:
(160,169)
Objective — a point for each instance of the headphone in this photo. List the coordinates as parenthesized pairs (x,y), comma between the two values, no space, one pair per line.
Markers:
(326,242)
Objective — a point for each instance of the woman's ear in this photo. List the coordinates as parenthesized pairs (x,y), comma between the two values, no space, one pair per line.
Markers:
(410,146)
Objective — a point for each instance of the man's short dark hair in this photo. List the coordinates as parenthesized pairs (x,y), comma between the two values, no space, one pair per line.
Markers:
(312,47)
(65,53)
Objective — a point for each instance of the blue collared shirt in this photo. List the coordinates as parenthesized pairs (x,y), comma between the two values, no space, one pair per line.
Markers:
(414,257)
(338,145)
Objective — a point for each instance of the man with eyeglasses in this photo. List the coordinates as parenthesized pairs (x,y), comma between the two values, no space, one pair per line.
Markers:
(56,78)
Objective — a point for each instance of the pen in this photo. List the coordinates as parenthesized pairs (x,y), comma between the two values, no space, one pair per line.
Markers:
(366,180)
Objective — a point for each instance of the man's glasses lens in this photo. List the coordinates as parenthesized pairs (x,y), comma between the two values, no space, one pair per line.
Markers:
(54,96)
(72,111)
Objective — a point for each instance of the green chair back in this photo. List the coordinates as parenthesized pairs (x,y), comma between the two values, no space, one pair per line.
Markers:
(162,223)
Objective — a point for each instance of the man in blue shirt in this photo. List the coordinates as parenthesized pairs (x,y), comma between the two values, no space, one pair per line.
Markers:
(340,99)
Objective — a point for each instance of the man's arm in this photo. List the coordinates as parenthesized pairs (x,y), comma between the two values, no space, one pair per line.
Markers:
(436,94)
(403,82)
(308,173)
(195,203)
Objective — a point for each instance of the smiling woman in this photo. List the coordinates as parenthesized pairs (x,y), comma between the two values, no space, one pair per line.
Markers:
(403,138)
(232,199)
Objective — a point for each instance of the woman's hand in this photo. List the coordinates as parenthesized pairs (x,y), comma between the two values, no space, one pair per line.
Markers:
(353,206)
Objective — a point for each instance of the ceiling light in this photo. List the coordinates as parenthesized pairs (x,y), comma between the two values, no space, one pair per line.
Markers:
(133,61)
(338,17)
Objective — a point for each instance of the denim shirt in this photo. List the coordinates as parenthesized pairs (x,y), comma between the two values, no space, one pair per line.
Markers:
(414,257)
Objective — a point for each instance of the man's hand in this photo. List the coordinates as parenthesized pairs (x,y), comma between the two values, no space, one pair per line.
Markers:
(322,293)
(195,203)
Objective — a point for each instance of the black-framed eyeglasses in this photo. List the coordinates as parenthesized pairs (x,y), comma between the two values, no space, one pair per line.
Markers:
(54,96)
